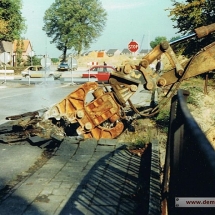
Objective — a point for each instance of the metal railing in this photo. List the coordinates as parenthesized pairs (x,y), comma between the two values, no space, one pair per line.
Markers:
(190,161)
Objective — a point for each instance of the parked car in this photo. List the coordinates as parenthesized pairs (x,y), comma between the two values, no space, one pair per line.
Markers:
(39,72)
(63,66)
(101,72)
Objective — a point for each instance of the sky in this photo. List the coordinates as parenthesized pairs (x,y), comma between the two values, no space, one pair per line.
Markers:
(138,20)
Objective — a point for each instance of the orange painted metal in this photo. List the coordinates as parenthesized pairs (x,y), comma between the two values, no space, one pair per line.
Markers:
(90,116)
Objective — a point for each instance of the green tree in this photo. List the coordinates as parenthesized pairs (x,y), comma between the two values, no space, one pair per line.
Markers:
(33,61)
(157,41)
(19,50)
(10,14)
(177,46)
(55,60)
(74,24)
(190,15)
(3,26)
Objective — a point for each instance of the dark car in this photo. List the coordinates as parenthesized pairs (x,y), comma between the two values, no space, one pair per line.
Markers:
(71,64)
(101,72)
(63,66)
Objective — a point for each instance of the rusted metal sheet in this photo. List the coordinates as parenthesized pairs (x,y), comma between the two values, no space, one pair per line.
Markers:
(91,116)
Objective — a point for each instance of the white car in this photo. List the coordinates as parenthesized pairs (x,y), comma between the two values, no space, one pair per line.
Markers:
(39,72)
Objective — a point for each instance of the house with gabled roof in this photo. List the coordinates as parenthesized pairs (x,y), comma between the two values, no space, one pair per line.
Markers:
(25,46)
(113,52)
(126,52)
(144,52)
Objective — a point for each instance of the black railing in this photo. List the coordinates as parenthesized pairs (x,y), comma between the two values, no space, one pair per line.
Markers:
(190,161)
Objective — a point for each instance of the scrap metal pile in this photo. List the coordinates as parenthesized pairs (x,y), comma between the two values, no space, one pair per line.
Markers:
(106,116)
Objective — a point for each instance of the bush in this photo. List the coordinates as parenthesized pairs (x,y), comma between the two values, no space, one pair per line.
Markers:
(162,119)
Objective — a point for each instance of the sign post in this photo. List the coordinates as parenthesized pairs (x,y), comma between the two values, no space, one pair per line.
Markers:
(71,66)
(46,63)
(133,46)
(5,58)
(31,54)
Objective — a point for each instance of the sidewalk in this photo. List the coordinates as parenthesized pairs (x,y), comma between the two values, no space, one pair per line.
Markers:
(87,178)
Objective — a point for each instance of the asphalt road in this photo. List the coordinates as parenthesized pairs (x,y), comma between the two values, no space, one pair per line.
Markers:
(17,98)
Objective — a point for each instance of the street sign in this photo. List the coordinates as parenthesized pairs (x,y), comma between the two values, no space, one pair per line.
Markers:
(133,46)
(72,63)
(31,54)
(45,62)
(5,57)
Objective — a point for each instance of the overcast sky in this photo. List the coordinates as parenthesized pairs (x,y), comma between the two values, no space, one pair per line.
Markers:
(140,20)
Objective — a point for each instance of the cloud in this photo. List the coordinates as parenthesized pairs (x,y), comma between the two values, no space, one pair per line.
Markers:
(123,5)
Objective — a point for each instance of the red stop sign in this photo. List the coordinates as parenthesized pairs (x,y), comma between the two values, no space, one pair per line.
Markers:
(133,46)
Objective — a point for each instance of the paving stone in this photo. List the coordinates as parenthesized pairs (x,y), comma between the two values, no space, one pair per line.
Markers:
(44,208)
(72,170)
(85,149)
(81,158)
(101,155)
(73,164)
(47,191)
(105,148)
(37,140)
(32,211)
(95,179)
(127,209)
(28,195)
(66,149)
(71,140)
(106,198)
(66,186)
(107,142)
(13,206)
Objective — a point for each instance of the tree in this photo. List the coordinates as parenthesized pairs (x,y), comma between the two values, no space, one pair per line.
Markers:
(157,41)
(33,61)
(3,26)
(11,17)
(190,15)
(74,24)
(177,46)
(54,60)
(19,50)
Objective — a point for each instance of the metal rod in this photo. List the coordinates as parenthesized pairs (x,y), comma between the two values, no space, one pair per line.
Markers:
(182,39)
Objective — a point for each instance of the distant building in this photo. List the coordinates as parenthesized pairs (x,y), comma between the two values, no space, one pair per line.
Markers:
(85,53)
(144,52)
(125,52)
(113,52)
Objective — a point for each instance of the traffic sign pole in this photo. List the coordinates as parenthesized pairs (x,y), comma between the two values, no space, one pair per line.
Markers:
(70,64)
(46,63)
(5,58)
(31,54)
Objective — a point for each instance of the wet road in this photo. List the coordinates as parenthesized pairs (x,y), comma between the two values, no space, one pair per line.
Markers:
(17,99)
